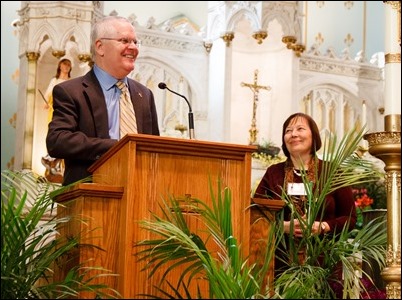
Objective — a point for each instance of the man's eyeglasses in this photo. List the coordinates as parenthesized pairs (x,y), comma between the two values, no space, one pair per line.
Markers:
(124,41)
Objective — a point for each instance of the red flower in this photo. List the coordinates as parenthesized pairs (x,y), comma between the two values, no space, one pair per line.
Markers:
(362,200)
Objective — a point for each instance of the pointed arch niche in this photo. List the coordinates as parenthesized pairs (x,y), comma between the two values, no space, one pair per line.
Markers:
(172,109)
(48,31)
(335,109)
(47,66)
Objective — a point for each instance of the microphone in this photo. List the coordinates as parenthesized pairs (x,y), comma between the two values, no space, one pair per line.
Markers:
(163,86)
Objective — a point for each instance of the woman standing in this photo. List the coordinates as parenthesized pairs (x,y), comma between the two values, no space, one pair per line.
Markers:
(300,143)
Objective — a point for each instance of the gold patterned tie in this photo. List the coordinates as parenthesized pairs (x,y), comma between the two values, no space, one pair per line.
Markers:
(128,123)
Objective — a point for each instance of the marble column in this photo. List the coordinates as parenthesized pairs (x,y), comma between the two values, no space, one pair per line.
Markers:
(30,110)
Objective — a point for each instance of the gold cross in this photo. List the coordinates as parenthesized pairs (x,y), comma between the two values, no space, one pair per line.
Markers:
(255,88)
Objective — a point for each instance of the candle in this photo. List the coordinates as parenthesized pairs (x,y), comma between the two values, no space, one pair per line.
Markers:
(364,114)
(392,72)
(364,144)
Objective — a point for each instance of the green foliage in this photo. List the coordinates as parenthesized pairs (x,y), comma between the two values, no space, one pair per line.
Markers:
(267,154)
(322,256)
(232,276)
(31,245)
(228,274)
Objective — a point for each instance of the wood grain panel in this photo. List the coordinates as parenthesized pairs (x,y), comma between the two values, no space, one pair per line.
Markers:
(149,169)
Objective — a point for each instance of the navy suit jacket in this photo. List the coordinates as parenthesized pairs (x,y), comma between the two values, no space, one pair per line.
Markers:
(79,130)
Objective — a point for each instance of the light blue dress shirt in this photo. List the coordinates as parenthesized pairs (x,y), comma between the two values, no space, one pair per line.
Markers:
(112,98)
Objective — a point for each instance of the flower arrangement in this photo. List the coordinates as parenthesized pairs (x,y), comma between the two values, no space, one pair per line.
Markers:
(368,196)
(362,202)
(371,291)
(368,291)
(268,154)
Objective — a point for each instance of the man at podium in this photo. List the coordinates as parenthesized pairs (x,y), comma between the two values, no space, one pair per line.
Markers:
(86,118)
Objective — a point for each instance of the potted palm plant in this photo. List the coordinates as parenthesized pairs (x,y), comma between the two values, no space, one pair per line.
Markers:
(229,274)
(31,246)
(316,274)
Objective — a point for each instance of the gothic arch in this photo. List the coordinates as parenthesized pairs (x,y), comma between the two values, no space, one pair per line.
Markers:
(76,33)
(243,14)
(172,111)
(289,26)
(44,31)
(335,108)
(309,84)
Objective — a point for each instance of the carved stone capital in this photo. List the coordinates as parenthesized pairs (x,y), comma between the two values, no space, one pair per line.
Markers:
(32,56)
(227,37)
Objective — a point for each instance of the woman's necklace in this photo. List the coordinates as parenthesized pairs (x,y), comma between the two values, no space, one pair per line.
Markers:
(297,172)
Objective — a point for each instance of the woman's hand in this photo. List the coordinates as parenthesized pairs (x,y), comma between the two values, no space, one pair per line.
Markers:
(297,231)
(317,228)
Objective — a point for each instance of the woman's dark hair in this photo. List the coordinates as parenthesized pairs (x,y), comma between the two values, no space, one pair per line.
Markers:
(64,60)
(314,132)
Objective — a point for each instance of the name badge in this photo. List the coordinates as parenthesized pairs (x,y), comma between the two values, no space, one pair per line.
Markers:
(296,189)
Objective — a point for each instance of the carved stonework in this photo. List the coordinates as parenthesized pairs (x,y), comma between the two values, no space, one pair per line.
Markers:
(228,37)
(58,53)
(32,56)
(336,67)
(260,36)
(176,42)
(383,138)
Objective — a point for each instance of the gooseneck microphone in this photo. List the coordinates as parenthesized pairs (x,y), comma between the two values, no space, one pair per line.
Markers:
(163,86)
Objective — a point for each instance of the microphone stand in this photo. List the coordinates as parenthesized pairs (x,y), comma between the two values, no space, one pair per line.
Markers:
(190,112)
(191,125)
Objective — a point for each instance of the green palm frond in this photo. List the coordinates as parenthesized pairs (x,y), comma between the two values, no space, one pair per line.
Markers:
(31,244)
(341,167)
(228,275)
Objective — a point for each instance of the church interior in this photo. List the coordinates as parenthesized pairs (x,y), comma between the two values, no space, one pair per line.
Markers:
(243,71)
(244,67)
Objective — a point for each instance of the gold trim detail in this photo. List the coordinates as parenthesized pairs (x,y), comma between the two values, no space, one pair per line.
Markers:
(260,36)
(383,138)
(32,56)
(394,4)
(58,53)
(84,57)
(289,41)
(392,58)
(298,49)
(227,38)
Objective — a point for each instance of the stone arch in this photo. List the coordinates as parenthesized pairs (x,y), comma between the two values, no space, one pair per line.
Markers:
(78,35)
(285,20)
(335,106)
(243,14)
(172,110)
(44,31)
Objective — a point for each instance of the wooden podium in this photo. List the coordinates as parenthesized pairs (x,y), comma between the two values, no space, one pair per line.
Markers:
(128,183)
(262,216)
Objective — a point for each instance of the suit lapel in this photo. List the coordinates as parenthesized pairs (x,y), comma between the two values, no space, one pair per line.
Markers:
(97,105)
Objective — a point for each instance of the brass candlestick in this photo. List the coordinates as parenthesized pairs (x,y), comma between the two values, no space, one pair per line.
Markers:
(387,147)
